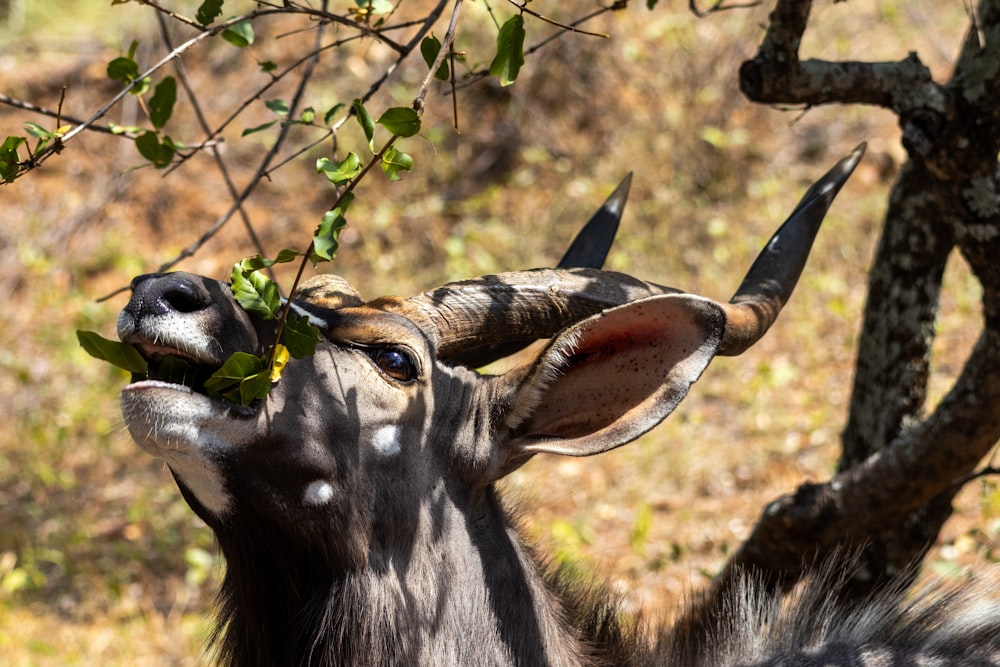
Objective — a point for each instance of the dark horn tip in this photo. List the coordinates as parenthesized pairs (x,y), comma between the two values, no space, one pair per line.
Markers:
(770,281)
(616,200)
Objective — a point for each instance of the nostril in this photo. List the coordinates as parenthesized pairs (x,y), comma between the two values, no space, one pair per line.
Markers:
(184,297)
(159,294)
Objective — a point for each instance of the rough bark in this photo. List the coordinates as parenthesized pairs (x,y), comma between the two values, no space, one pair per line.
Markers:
(899,469)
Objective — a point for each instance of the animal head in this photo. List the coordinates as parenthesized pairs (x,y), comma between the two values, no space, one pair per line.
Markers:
(390,412)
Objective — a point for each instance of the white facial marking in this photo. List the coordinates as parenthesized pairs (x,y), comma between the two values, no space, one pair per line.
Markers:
(206,484)
(318,493)
(386,440)
(187,431)
(313,320)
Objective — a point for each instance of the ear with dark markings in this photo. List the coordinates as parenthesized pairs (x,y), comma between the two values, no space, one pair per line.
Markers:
(610,378)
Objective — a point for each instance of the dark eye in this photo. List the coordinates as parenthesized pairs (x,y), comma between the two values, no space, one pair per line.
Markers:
(395,363)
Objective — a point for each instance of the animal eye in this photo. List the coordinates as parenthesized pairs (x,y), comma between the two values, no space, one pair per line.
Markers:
(395,363)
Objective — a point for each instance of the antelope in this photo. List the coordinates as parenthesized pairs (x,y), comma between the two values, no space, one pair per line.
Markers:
(356,505)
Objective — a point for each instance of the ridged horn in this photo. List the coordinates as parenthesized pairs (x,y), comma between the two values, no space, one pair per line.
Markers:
(522,306)
(471,315)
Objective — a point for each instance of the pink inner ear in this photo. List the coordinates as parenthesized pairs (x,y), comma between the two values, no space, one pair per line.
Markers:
(628,369)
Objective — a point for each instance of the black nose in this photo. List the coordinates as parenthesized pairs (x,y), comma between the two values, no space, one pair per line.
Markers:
(162,293)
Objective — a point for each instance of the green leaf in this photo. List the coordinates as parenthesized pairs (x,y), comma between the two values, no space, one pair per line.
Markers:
(300,336)
(279,107)
(208,11)
(123,69)
(140,87)
(256,293)
(122,355)
(395,161)
(268,66)
(286,255)
(510,51)
(258,262)
(365,120)
(340,173)
(255,386)
(124,129)
(9,160)
(401,121)
(161,104)
(325,241)
(157,152)
(239,34)
(308,115)
(331,112)
(430,46)
(40,147)
(242,378)
(259,128)
(36,130)
(251,264)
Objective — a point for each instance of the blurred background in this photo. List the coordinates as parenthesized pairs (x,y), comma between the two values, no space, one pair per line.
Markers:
(101,562)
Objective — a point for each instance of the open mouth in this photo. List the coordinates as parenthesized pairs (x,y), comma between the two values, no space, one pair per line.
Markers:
(175,367)
(175,370)
(168,365)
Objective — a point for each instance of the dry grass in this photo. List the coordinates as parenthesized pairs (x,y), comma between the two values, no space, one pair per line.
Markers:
(101,562)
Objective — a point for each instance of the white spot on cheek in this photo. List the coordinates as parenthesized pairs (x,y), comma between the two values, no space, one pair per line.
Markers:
(318,493)
(386,440)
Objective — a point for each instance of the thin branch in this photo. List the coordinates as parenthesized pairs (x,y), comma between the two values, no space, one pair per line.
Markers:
(478,75)
(262,169)
(60,118)
(523,6)
(180,18)
(366,31)
(446,48)
(203,122)
(288,8)
(719,6)
(427,23)
(314,53)
(617,6)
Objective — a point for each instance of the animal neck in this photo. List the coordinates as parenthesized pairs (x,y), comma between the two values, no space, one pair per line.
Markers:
(464,574)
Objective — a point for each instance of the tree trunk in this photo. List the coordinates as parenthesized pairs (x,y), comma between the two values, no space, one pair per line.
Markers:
(900,469)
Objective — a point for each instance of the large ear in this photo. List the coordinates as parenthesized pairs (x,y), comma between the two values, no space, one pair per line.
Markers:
(610,378)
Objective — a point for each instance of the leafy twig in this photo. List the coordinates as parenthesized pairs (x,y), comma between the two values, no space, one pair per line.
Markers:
(449,40)
(220,163)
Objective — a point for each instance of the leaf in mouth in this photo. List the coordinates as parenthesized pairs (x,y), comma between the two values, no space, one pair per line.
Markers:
(245,377)
(300,336)
(122,355)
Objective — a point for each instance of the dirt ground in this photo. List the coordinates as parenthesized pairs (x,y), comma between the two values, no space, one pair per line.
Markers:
(100,560)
